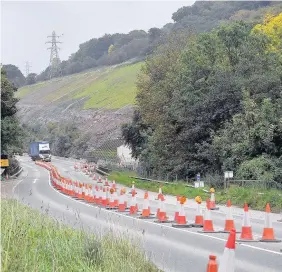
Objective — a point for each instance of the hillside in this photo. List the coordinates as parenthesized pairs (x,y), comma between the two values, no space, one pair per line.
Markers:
(83,112)
(103,97)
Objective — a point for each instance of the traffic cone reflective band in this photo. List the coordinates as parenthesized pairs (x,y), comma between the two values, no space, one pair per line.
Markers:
(122,203)
(212,264)
(212,200)
(227,262)
(146,209)
(133,204)
(229,221)
(268,231)
(199,219)
(246,233)
(208,224)
(176,214)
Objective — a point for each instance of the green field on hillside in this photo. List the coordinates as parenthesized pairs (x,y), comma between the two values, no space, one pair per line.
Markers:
(114,89)
(107,87)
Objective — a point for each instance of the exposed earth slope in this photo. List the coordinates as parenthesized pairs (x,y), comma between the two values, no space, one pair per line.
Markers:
(97,101)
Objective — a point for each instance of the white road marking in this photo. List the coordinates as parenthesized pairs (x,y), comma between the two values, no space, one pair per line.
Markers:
(168,227)
(35,180)
(13,190)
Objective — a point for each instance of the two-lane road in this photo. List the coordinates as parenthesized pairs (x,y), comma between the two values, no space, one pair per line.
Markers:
(169,248)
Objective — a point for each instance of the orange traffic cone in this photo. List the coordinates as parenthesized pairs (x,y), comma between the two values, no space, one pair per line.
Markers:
(162,217)
(114,184)
(208,224)
(212,200)
(146,212)
(116,198)
(160,192)
(107,182)
(95,195)
(199,219)
(80,196)
(111,204)
(246,233)
(133,205)
(212,264)
(99,179)
(94,177)
(177,210)
(229,221)
(122,206)
(104,198)
(268,231)
(181,220)
(227,262)
(101,195)
(91,194)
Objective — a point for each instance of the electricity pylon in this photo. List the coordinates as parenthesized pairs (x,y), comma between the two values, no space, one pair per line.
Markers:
(27,68)
(54,65)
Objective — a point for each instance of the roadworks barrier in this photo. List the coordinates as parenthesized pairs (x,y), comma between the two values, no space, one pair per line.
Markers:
(106,194)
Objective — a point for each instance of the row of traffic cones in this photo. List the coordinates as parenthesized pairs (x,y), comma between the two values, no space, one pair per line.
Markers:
(108,198)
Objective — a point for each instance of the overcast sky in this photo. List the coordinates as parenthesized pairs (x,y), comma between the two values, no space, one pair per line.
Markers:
(26,25)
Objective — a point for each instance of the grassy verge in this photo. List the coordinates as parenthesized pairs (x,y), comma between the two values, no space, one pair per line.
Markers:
(33,242)
(256,198)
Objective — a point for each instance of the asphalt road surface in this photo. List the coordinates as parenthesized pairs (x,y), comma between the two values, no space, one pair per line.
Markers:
(171,249)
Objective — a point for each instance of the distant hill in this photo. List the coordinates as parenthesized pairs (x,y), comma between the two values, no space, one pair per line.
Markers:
(82,111)
(14,75)
(200,17)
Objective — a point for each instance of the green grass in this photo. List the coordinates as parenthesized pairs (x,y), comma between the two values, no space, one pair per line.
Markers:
(23,91)
(256,198)
(107,87)
(114,89)
(34,242)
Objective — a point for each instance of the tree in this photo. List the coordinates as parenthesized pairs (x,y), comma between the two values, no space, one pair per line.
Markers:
(11,132)
(31,79)
(272,27)
(14,75)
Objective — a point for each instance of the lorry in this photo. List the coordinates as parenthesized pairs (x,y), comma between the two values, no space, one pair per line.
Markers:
(40,151)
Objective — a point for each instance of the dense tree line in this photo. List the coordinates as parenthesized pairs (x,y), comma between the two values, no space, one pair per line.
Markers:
(213,104)
(200,17)
(14,75)
(11,132)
